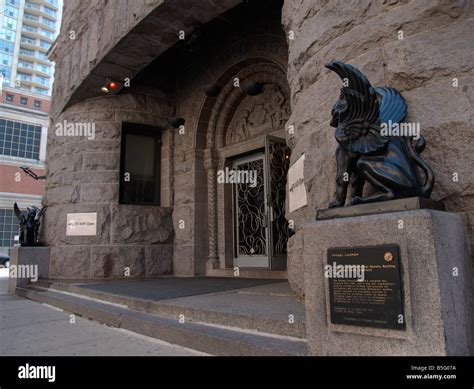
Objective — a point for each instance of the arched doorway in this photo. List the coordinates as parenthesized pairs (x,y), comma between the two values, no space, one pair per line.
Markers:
(245,137)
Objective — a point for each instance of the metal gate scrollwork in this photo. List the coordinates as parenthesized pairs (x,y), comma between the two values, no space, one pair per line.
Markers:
(279,162)
(250,202)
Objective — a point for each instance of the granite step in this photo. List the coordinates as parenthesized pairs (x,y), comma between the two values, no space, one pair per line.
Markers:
(245,309)
(249,273)
(205,337)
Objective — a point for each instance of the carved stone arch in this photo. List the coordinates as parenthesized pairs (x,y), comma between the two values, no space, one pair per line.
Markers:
(267,73)
(218,114)
(212,108)
(242,53)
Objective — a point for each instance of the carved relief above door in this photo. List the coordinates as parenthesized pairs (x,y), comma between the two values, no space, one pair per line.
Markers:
(233,120)
(257,115)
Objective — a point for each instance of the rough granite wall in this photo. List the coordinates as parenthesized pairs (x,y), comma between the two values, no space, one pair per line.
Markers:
(89,30)
(83,176)
(117,39)
(437,46)
(100,40)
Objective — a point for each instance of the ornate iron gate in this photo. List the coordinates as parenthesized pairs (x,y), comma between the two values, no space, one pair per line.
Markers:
(261,229)
(277,155)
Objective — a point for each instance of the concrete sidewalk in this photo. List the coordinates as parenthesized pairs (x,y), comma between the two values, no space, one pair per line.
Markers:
(34,329)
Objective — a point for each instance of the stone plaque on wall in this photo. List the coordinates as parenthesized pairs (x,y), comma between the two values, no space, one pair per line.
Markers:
(297,191)
(365,287)
(81,224)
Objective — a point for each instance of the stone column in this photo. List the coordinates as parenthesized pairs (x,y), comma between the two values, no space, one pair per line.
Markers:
(210,164)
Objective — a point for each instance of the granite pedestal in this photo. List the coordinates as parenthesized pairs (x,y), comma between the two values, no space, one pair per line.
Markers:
(436,284)
(31,256)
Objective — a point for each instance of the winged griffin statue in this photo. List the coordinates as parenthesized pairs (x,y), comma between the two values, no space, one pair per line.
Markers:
(391,163)
(29,225)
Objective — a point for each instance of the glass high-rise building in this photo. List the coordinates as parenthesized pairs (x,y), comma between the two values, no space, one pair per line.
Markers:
(28,28)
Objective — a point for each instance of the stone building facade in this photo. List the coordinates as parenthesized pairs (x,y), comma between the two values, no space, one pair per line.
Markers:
(423,48)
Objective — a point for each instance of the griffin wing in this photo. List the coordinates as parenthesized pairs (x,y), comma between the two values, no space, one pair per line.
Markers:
(39,213)
(361,119)
(18,213)
(393,106)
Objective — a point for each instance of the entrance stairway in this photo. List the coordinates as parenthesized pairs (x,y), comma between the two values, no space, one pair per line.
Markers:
(261,320)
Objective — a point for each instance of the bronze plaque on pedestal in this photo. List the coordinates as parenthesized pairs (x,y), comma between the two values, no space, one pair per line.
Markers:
(365,286)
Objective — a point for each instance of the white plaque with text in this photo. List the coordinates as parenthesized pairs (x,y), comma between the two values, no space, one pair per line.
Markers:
(297,190)
(81,224)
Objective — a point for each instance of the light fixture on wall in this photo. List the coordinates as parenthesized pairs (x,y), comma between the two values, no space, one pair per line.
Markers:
(211,90)
(111,87)
(251,87)
(176,122)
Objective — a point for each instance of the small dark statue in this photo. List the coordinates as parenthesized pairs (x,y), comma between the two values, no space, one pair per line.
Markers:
(391,163)
(29,225)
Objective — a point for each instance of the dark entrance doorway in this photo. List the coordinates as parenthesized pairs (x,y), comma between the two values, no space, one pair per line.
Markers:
(260,227)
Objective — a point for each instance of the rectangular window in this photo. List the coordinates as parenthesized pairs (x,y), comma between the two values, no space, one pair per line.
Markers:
(29,28)
(44,44)
(31,17)
(9,23)
(23,100)
(29,53)
(9,227)
(41,91)
(25,77)
(49,23)
(30,41)
(140,163)
(6,73)
(25,64)
(9,35)
(20,140)
(37,104)
(42,68)
(47,34)
(11,11)
(32,6)
(9,98)
(42,56)
(6,46)
(6,59)
(42,80)
(49,11)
